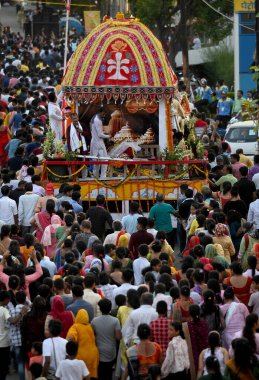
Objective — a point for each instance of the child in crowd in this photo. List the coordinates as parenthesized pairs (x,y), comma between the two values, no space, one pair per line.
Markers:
(72,368)
(36,370)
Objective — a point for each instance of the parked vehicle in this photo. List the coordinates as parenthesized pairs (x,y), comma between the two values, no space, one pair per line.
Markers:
(242,134)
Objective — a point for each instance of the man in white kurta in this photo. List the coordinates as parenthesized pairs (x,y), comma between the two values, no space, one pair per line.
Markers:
(97,146)
(55,117)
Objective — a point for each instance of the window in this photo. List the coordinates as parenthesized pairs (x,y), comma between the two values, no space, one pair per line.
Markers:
(240,134)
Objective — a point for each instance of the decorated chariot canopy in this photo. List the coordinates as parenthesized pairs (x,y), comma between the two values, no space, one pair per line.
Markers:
(120,59)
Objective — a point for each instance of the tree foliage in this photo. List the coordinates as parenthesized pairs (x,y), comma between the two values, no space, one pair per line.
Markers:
(160,16)
(220,64)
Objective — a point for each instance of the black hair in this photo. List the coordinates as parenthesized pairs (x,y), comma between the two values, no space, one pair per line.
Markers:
(72,348)
(20,297)
(143,250)
(98,250)
(243,354)
(165,269)
(212,364)
(174,293)
(134,206)
(156,246)
(248,333)
(55,327)
(195,311)
(116,264)
(44,291)
(160,288)
(100,199)
(50,206)
(256,279)
(150,280)
(37,347)
(133,298)
(105,306)
(28,240)
(236,268)
(185,291)
(252,263)
(229,293)
(127,275)
(36,370)
(161,308)
(5,231)
(89,280)
(143,331)
(77,291)
(213,341)
(120,300)
(178,327)
(166,279)
(187,263)
(198,276)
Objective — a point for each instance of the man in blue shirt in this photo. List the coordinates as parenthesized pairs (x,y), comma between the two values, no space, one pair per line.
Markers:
(221,87)
(16,120)
(75,202)
(204,93)
(224,110)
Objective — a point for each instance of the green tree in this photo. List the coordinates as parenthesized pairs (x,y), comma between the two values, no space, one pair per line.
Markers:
(160,16)
(220,64)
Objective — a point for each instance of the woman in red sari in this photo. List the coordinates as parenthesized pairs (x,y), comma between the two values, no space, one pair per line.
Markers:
(196,334)
(240,284)
(58,312)
(4,139)
(43,218)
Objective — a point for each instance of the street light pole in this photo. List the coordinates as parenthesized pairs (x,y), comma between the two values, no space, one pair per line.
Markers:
(184,43)
(68,4)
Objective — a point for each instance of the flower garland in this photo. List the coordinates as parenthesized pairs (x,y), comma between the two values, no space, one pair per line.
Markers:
(65,176)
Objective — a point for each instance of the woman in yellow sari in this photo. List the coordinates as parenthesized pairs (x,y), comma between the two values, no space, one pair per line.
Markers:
(83,334)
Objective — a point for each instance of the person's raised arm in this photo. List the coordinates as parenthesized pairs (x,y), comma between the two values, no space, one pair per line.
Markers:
(38,270)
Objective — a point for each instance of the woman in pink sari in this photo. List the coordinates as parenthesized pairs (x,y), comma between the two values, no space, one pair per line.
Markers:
(234,314)
(49,239)
(43,218)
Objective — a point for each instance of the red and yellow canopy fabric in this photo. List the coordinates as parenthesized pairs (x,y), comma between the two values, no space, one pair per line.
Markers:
(119,59)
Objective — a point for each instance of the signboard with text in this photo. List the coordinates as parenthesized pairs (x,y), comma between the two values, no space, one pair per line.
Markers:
(244,6)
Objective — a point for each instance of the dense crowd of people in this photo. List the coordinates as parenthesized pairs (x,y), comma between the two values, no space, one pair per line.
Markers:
(85,296)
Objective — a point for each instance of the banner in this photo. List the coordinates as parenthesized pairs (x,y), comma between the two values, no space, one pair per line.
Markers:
(91,19)
(244,6)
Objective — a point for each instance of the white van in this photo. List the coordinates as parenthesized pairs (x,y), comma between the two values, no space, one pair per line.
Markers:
(242,135)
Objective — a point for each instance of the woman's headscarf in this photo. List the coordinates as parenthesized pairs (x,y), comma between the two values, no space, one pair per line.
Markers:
(58,312)
(221,260)
(194,240)
(211,251)
(50,230)
(220,230)
(82,317)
